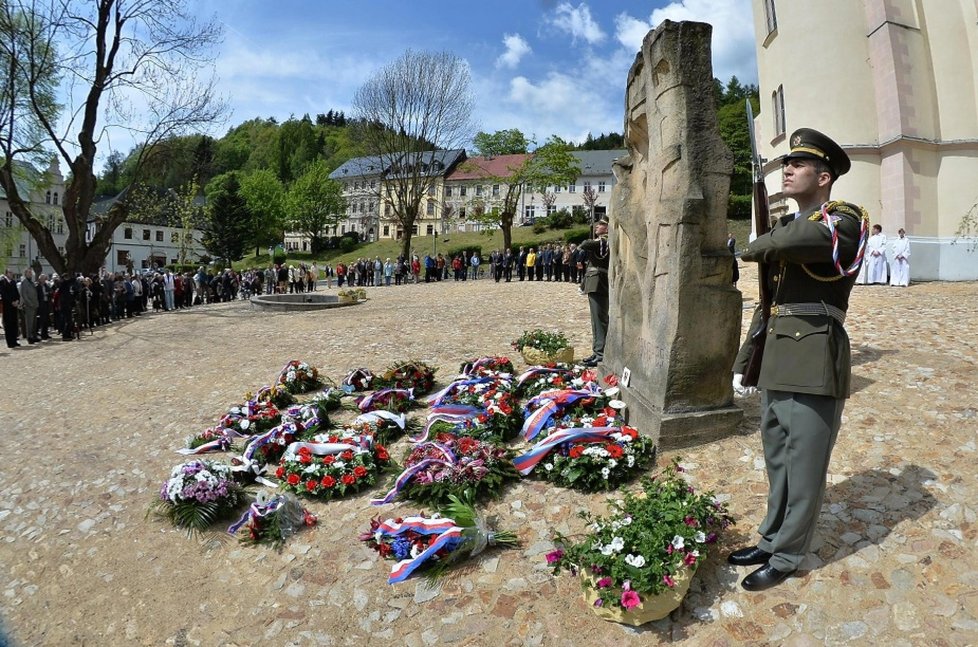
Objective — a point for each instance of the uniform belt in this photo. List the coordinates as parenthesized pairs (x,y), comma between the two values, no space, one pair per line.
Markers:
(808,309)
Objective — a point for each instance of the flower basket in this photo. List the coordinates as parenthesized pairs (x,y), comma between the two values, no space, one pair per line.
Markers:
(535,356)
(343,298)
(650,609)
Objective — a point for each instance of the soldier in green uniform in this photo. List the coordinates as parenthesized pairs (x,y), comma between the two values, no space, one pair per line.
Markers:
(813,256)
(596,289)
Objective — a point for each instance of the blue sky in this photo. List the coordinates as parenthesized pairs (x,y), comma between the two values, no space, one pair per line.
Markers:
(544,67)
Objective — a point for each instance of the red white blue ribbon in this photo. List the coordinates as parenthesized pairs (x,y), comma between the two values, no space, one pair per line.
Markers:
(863,238)
(451,413)
(546,405)
(538,452)
(374,417)
(445,529)
(220,444)
(356,444)
(539,371)
(257,510)
(272,435)
(402,480)
(438,398)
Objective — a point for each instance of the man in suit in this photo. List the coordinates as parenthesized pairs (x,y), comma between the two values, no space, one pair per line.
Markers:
(812,258)
(596,289)
(10,300)
(28,305)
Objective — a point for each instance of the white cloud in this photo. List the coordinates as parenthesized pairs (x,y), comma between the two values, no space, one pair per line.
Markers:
(516,49)
(733,32)
(577,22)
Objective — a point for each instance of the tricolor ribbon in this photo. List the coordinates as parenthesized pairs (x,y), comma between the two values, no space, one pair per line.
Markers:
(538,452)
(539,371)
(437,398)
(219,444)
(445,529)
(367,403)
(402,480)
(548,403)
(356,444)
(451,413)
(272,435)
(257,510)
(863,237)
(358,374)
(374,417)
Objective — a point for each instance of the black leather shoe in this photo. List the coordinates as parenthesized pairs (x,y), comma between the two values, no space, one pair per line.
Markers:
(591,363)
(748,556)
(589,358)
(764,578)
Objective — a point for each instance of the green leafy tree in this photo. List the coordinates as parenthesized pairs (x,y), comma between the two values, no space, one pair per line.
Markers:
(315,202)
(103,58)
(549,165)
(420,102)
(227,217)
(266,200)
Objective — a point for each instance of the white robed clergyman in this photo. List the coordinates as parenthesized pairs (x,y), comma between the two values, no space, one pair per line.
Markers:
(874,263)
(900,267)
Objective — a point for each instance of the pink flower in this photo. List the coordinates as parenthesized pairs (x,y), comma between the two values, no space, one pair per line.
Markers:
(604,582)
(689,559)
(668,581)
(630,600)
(691,522)
(554,556)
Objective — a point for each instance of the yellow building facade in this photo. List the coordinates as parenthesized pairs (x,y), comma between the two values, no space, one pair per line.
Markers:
(895,82)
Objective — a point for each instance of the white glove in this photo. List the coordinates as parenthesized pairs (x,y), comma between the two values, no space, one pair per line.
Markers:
(739,389)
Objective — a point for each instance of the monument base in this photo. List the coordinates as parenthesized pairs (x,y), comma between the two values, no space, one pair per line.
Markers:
(679,429)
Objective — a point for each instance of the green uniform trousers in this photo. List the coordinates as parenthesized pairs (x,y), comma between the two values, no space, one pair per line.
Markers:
(798,431)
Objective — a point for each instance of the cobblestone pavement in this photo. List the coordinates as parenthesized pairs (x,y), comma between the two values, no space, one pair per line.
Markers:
(88,431)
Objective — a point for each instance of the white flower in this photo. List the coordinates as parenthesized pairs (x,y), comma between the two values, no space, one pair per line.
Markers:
(577,381)
(339,465)
(244,424)
(617,543)
(605,472)
(309,469)
(631,460)
(626,521)
(635,560)
(615,525)
(548,466)
(612,464)
(678,542)
(607,550)
(699,537)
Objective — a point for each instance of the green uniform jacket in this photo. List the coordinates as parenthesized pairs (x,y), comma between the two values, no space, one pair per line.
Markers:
(809,353)
(596,276)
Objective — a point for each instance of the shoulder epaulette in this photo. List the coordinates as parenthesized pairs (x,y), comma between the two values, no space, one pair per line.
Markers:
(847,208)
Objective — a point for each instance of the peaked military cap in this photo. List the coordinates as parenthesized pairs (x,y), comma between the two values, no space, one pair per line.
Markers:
(811,144)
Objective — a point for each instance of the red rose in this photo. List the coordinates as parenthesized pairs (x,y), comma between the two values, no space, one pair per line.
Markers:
(280,472)
(359,471)
(293,479)
(329,460)
(576,451)
(304,451)
(305,459)
(328,481)
(347,455)
(611,379)
(382,454)
(311,485)
(348,479)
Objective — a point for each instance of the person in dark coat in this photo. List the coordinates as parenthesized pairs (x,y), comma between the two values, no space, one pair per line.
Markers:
(10,301)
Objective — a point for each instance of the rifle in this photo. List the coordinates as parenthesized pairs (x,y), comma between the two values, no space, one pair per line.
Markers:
(762,225)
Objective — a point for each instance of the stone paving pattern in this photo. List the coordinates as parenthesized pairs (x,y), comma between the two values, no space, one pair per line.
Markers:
(88,429)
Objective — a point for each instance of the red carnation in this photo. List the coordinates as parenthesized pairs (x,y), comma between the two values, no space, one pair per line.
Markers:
(280,472)
(611,379)
(293,479)
(304,451)
(311,485)
(347,455)
(328,481)
(614,450)
(305,459)
(329,460)
(359,471)
(348,479)
(382,454)
(576,451)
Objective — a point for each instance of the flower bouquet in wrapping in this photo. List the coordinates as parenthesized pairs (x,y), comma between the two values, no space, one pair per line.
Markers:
(585,407)
(197,494)
(272,519)
(212,439)
(590,459)
(275,394)
(464,467)
(252,417)
(413,374)
(359,379)
(636,563)
(299,377)
(487,366)
(333,466)
(268,447)
(384,426)
(436,543)
(393,400)
(489,401)
(328,400)
(310,418)
(554,377)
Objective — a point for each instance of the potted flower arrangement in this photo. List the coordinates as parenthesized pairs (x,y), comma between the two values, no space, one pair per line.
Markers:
(540,346)
(197,494)
(412,374)
(636,563)
(351,295)
(333,466)
(433,543)
(452,466)
(299,377)
(272,519)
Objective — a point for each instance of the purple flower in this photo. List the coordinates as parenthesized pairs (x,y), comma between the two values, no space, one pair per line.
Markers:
(554,556)
(604,582)
(599,602)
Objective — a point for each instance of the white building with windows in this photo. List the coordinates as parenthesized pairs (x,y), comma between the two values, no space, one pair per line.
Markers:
(895,83)
(595,179)
(18,249)
(361,178)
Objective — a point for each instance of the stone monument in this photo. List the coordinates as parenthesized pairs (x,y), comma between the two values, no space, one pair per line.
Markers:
(674,319)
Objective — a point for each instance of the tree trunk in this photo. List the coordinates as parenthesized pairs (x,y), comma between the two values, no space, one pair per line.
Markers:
(406,245)
(506,224)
